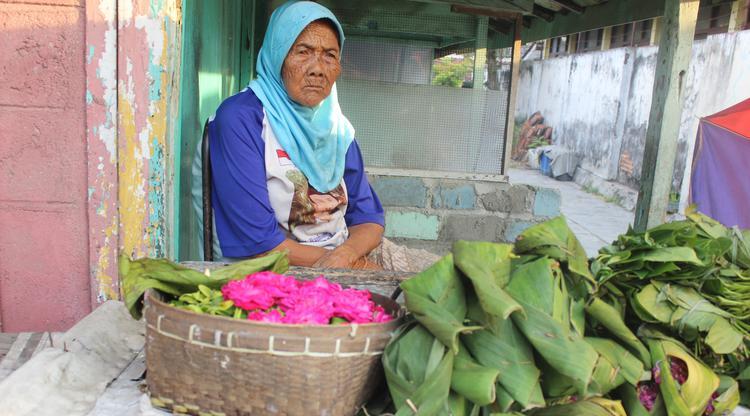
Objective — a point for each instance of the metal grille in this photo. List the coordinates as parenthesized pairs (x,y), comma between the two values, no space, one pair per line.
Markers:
(404,121)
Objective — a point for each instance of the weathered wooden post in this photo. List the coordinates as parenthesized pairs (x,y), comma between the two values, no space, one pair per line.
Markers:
(515,72)
(675,48)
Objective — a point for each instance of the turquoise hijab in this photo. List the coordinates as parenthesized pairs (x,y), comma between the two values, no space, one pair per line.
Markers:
(316,138)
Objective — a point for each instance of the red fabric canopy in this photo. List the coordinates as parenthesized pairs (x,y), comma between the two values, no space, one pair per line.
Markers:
(735,118)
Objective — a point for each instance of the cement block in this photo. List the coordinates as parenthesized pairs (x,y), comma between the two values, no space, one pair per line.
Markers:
(400,192)
(521,199)
(547,202)
(411,225)
(472,227)
(454,197)
(514,228)
(498,201)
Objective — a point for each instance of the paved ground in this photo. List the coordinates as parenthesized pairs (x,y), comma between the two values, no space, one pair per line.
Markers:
(594,221)
(16,349)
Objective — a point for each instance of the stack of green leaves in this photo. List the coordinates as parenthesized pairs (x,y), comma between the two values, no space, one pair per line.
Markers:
(689,280)
(137,276)
(501,329)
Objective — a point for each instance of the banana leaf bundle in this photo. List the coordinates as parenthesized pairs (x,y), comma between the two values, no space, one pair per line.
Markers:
(689,279)
(137,276)
(502,329)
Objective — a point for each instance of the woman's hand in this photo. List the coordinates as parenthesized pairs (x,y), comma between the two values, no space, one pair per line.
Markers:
(363,238)
(342,257)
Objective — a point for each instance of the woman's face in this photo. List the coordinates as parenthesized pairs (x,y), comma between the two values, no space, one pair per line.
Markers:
(312,65)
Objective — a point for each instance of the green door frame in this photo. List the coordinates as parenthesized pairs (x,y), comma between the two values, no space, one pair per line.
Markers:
(220,42)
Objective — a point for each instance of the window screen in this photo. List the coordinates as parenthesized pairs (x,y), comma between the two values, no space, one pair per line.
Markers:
(414,103)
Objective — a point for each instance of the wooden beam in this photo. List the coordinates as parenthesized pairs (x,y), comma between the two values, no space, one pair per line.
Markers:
(611,13)
(738,16)
(543,13)
(675,49)
(483,11)
(656,28)
(607,38)
(569,5)
(515,72)
(572,43)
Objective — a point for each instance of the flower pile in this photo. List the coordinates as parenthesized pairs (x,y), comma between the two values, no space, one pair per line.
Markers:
(276,298)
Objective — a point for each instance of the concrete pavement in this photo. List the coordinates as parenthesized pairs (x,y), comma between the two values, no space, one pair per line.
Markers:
(595,221)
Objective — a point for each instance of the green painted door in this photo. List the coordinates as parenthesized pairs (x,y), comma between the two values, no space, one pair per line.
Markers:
(220,41)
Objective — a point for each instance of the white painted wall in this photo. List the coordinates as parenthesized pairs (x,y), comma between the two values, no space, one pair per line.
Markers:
(599,102)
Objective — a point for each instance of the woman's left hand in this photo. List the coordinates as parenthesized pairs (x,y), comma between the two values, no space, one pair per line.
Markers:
(342,257)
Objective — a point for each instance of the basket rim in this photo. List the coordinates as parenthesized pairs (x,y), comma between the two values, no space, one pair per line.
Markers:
(153,295)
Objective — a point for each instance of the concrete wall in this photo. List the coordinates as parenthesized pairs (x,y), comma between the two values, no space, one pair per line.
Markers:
(599,102)
(44,260)
(433,213)
(87,99)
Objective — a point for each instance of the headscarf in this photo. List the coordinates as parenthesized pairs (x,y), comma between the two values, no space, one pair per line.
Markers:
(316,139)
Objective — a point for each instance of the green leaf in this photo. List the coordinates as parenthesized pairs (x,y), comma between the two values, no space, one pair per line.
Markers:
(473,381)
(628,394)
(615,366)
(555,239)
(437,300)
(538,288)
(503,347)
(487,266)
(591,407)
(137,276)
(611,319)
(692,397)
(418,370)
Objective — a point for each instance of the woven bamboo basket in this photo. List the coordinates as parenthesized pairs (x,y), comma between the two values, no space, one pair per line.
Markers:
(207,365)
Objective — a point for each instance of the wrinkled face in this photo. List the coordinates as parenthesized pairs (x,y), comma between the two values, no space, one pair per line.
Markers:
(312,65)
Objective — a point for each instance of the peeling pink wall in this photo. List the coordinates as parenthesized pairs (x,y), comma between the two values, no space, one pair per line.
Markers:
(44,251)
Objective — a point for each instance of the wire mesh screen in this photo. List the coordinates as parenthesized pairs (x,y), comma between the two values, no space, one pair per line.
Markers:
(413,111)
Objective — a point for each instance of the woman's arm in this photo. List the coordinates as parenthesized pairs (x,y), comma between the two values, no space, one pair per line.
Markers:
(363,238)
(300,254)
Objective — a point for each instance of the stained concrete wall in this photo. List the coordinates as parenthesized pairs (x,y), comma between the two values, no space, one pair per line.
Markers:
(44,263)
(599,102)
(433,213)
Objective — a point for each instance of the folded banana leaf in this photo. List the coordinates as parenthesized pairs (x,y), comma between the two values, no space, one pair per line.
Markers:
(616,365)
(137,276)
(473,381)
(596,406)
(609,317)
(504,348)
(694,394)
(629,396)
(540,288)
(554,238)
(487,266)
(437,299)
(418,370)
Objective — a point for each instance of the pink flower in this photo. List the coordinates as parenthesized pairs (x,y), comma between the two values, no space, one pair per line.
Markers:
(317,301)
(271,316)
(354,306)
(380,315)
(246,295)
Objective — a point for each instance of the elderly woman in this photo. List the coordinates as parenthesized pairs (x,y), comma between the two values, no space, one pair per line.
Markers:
(287,172)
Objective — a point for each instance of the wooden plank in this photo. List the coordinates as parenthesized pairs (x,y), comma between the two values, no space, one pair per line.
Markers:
(606,38)
(675,49)
(602,15)
(569,5)
(524,6)
(510,122)
(480,51)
